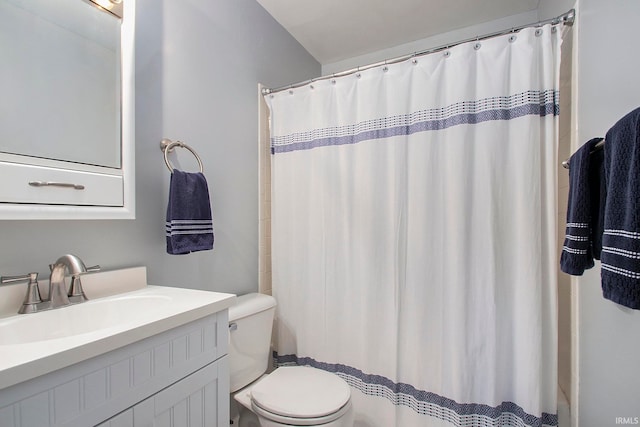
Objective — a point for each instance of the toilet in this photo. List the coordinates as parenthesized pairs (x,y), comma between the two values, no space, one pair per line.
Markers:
(288,396)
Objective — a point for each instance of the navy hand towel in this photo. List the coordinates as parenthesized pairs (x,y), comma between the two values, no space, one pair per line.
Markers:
(621,239)
(189,225)
(581,242)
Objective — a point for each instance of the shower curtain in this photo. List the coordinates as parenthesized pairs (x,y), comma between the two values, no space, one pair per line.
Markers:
(413,233)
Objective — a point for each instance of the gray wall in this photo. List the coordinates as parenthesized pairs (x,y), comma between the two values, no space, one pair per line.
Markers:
(431,42)
(198,64)
(548,9)
(608,88)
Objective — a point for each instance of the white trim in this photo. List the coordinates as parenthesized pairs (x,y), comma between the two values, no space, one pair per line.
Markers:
(575,289)
(264,196)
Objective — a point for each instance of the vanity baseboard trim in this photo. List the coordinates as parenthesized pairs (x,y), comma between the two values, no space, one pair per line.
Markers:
(93,391)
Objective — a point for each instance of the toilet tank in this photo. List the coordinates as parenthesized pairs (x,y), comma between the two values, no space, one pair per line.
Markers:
(250,324)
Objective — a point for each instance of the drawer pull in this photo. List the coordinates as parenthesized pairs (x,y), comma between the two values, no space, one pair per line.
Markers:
(56,184)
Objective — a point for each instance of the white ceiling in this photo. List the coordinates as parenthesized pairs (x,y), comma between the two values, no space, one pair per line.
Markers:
(333,30)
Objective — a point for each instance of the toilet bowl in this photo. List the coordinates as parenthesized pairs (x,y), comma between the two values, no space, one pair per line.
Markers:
(289,396)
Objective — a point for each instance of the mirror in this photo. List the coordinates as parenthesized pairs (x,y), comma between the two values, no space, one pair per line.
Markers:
(60,80)
(67,109)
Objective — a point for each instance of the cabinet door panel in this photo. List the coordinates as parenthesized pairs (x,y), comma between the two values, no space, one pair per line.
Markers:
(199,400)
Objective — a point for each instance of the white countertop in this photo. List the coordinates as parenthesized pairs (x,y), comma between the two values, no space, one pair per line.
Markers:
(36,344)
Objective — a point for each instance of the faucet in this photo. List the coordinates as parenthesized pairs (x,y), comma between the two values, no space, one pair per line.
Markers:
(58,295)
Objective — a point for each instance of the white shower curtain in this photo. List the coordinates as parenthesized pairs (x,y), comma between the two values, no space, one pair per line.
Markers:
(413,233)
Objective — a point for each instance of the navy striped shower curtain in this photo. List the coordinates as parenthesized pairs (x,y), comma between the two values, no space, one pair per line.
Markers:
(413,233)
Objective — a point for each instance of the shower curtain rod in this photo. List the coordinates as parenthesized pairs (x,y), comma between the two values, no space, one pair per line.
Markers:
(566,19)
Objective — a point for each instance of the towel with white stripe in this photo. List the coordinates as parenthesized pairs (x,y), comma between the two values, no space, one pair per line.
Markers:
(581,243)
(621,239)
(189,224)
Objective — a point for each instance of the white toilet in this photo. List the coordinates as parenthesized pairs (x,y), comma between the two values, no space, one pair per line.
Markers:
(289,396)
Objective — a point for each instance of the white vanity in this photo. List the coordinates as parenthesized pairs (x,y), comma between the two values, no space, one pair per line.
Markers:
(133,355)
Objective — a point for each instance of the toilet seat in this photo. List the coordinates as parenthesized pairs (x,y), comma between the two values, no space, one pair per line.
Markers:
(294,421)
(301,395)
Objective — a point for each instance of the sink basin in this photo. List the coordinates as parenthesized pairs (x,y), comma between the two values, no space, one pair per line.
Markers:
(79,319)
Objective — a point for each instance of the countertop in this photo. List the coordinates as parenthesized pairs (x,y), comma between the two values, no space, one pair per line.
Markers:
(143,311)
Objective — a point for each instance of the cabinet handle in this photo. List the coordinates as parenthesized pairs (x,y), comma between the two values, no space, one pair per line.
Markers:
(56,184)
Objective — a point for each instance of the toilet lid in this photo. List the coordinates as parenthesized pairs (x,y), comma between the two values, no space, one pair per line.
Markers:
(301,392)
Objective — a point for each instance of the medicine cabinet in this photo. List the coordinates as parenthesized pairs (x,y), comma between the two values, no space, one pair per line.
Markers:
(67,113)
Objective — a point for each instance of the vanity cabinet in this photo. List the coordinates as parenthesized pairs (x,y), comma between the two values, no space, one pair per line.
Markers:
(179,377)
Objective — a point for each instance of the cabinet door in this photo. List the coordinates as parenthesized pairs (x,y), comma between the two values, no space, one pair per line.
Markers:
(199,400)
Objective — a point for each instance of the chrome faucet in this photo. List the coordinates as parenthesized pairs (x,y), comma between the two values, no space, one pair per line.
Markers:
(58,295)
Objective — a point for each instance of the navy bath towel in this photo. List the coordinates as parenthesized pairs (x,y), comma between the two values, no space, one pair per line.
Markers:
(584,224)
(621,239)
(189,225)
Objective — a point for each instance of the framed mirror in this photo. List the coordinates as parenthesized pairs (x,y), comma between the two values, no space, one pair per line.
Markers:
(66,114)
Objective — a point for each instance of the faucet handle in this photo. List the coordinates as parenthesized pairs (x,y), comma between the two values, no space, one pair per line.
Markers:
(76,293)
(31,277)
(93,269)
(33,291)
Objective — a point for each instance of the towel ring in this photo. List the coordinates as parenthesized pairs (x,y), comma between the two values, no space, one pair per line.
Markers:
(166,145)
